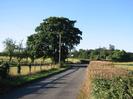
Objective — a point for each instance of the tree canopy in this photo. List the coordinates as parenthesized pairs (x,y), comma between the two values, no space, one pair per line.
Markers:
(103,54)
(9,47)
(45,41)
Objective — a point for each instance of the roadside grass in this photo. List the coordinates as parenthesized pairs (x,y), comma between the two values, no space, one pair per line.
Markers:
(106,81)
(15,81)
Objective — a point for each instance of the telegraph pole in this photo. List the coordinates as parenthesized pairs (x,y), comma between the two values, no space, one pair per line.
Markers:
(59,49)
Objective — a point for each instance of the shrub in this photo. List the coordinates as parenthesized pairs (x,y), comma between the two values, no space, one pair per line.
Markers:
(4,70)
(84,61)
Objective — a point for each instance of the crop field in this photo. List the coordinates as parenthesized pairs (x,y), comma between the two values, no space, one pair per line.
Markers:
(104,80)
(125,65)
(25,69)
(73,60)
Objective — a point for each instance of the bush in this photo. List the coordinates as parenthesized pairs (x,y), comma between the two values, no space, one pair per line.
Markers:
(84,61)
(4,70)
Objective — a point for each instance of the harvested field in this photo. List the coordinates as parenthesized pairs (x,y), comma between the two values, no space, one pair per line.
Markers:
(25,69)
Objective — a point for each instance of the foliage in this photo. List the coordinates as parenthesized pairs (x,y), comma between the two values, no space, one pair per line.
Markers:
(32,47)
(117,88)
(19,51)
(9,47)
(4,70)
(120,55)
(103,54)
(46,40)
(84,61)
(83,54)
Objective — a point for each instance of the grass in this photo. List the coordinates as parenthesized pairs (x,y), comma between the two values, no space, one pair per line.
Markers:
(106,81)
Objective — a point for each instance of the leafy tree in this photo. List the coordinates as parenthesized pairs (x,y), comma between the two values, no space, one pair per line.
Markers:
(9,47)
(46,40)
(83,54)
(95,54)
(119,55)
(4,70)
(32,47)
(103,54)
(19,55)
(19,52)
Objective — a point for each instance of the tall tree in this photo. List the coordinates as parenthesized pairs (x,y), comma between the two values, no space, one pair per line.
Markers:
(9,47)
(31,50)
(46,39)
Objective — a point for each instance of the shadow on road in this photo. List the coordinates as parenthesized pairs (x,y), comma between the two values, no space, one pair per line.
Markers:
(49,83)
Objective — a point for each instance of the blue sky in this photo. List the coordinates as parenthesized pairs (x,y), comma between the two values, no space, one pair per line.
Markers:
(102,22)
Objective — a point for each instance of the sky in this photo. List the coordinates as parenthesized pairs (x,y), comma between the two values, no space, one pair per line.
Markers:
(102,22)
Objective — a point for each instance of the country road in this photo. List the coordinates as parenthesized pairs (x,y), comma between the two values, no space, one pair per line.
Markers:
(65,85)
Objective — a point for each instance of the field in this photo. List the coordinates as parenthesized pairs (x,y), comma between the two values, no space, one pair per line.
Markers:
(73,60)
(25,69)
(125,65)
(107,80)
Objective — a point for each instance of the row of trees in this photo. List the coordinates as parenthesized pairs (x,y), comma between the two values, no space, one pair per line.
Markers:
(45,41)
(14,50)
(110,54)
(53,38)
